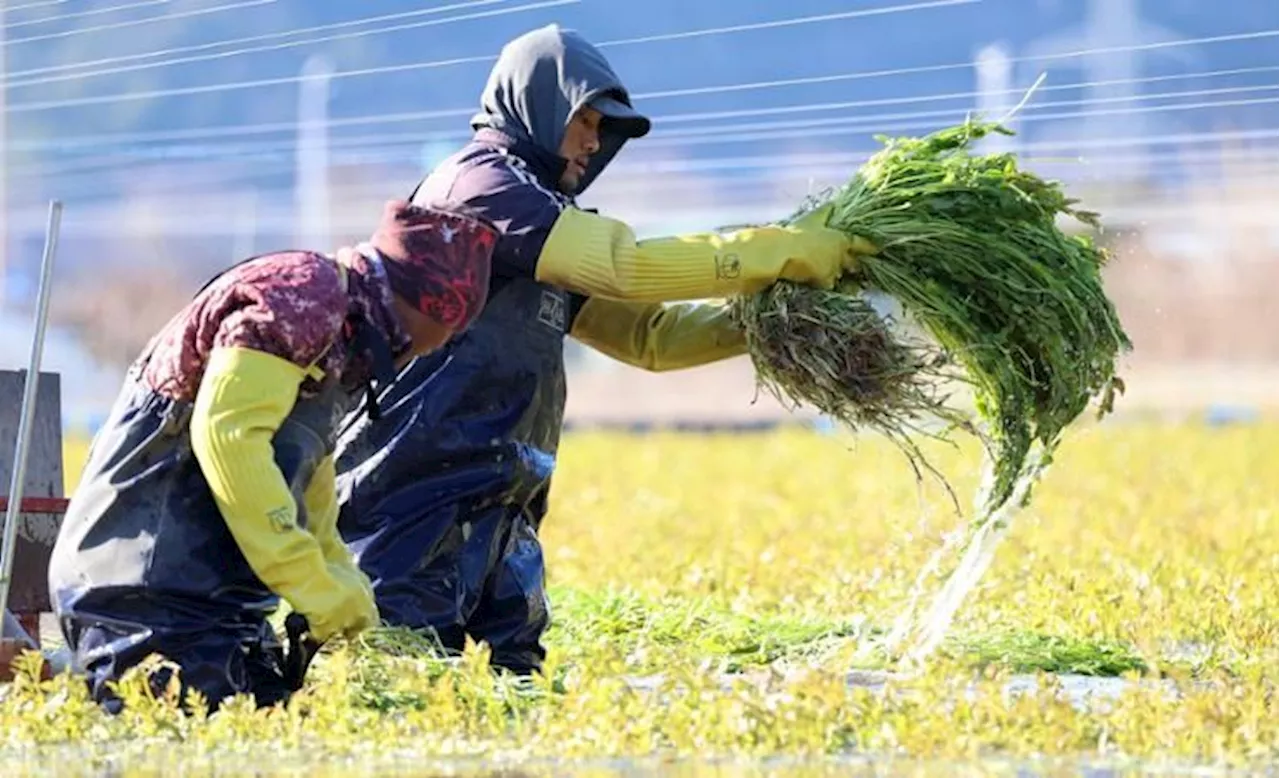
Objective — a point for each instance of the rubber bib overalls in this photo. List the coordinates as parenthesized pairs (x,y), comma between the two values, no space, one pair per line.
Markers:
(145,562)
(461,466)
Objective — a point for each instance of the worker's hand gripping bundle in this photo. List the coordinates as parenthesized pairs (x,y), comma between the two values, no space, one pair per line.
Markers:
(1001,299)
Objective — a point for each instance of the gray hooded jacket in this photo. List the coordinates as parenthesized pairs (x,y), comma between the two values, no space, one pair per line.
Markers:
(510,170)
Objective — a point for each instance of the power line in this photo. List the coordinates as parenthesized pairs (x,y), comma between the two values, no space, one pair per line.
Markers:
(385,69)
(825,174)
(830,106)
(842,15)
(25,6)
(398,27)
(242,40)
(644,173)
(365,151)
(137,22)
(294,44)
(81,14)
(228,86)
(267,128)
(811,80)
(99,216)
(267,160)
(649,174)
(860,122)
(748,132)
(730,132)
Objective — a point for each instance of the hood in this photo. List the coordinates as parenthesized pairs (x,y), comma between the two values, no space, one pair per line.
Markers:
(541,79)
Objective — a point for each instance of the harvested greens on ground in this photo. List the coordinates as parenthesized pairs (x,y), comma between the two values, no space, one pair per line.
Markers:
(968,245)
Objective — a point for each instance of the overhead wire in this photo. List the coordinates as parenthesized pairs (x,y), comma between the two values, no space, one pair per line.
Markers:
(19,82)
(137,22)
(655,177)
(40,4)
(405,67)
(278,216)
(731,133)
(659,120)
(233,42)
(15,78)
(82,14)
(692,135)
(21,107)
(268,161)
(100,71)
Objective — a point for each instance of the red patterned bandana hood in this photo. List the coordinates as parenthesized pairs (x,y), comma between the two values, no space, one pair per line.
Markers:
(438,259)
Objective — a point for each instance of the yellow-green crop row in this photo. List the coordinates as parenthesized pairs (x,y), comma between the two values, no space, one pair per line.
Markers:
(1149,552)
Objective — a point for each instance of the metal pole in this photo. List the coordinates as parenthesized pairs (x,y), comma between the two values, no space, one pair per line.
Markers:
(312,183)
(247,228)
(994,70)
(28,412)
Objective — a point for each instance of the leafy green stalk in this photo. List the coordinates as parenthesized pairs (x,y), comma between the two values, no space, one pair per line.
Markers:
(969,245)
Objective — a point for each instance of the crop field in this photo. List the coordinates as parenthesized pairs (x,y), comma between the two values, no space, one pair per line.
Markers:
(708,592)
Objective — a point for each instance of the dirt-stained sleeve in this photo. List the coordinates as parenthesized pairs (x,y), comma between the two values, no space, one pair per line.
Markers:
(290,305)
(293,310)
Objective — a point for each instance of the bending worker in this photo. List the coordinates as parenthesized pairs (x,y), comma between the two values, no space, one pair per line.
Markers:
(209,493)
(442,498)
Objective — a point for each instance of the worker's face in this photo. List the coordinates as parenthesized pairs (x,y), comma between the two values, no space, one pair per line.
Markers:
(425,333)
(581,140)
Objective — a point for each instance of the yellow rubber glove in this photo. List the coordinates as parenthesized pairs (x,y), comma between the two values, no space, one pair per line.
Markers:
(321,499)
(658,337)
(244,397)
(597,256)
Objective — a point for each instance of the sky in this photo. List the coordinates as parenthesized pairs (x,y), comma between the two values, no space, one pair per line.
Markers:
(80,73)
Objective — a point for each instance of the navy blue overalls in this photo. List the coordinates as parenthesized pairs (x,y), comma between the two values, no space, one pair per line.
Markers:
(145,562)
(441,501)
(442,498)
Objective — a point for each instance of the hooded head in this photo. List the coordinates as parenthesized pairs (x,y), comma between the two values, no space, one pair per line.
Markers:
(543,81)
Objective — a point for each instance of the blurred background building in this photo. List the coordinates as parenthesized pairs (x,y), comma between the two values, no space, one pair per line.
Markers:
(185,134)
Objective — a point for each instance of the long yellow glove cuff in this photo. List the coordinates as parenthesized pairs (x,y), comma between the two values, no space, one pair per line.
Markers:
(243,399)
(658,337)
(321,499)
(600,257)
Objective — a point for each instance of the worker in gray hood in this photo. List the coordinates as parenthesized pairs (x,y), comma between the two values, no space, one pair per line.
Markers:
(443,495)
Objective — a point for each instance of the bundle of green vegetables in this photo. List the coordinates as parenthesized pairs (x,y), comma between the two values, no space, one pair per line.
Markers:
(969,246)
(995,297)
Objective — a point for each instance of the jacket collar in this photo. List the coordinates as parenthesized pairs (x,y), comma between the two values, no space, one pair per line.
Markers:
(546,166)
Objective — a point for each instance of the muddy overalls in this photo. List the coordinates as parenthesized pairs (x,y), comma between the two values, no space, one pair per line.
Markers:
(145,562)
(441,499)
